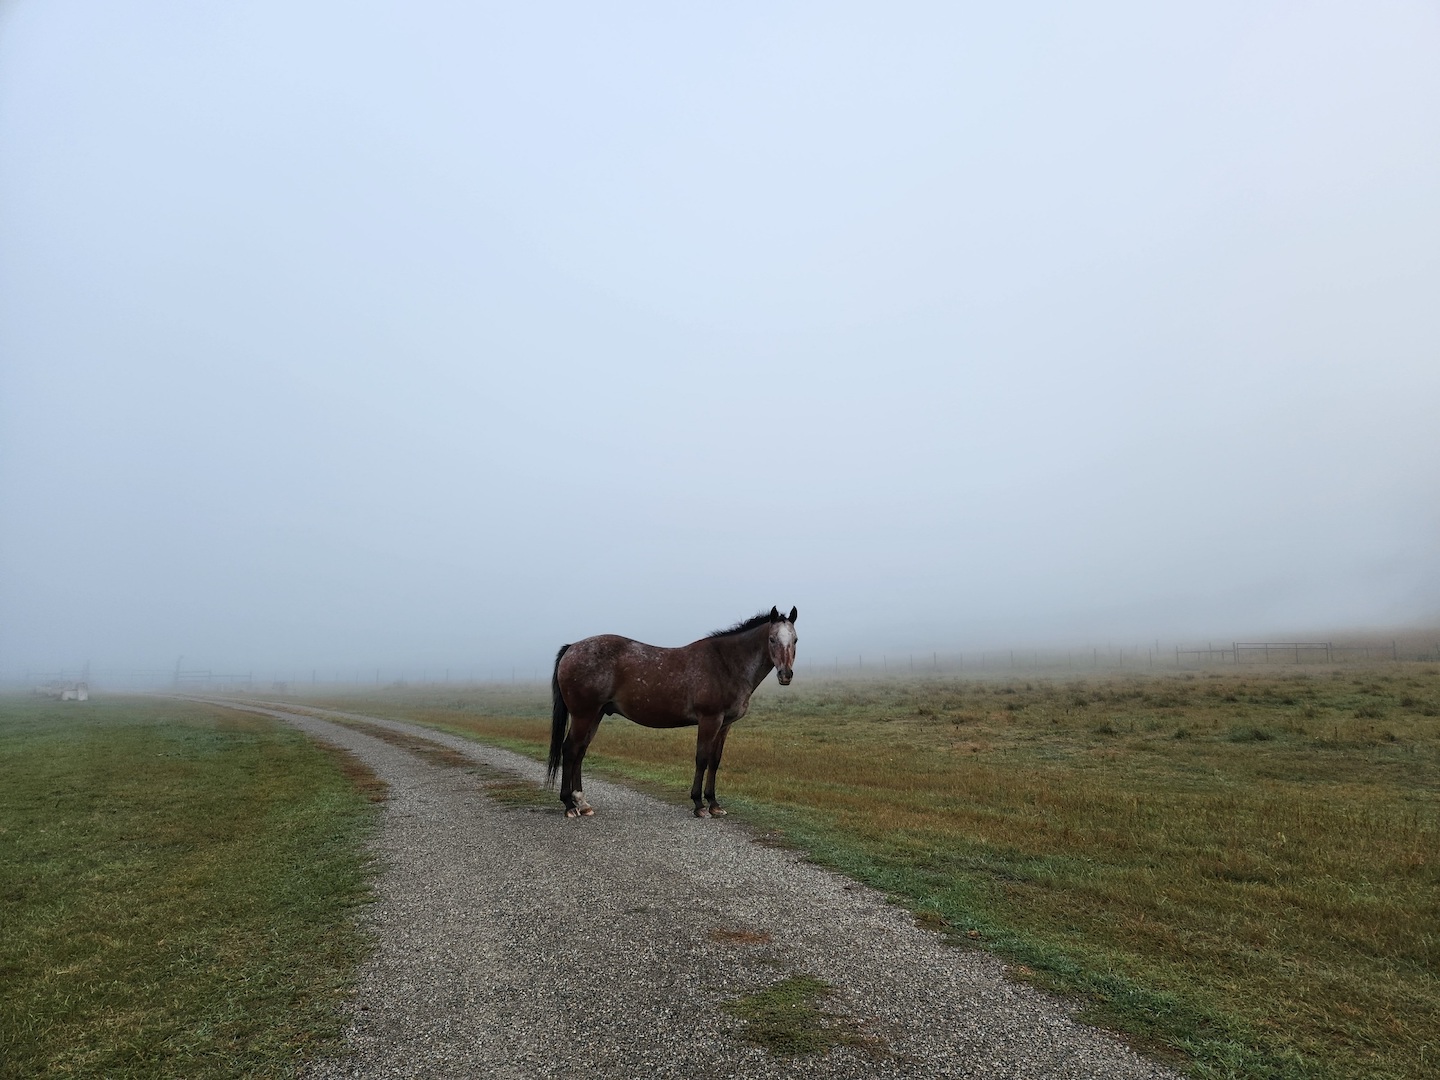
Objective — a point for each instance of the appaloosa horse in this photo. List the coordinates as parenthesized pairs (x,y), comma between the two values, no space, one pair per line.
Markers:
(707,683)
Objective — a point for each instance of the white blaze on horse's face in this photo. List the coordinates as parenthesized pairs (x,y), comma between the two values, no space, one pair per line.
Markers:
(782,651)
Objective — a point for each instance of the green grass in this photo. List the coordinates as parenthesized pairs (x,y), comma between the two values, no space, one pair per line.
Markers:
(1239,869)
(787,1018)
(179,885)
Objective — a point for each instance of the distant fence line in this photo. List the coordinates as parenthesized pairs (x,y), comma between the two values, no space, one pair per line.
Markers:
(1283,648)
(978,662)
(981,661)
(1113,658)
(1299,652)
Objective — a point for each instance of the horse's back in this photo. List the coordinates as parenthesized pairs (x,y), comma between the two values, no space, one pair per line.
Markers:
(647,683)
(595,666)
(605,648)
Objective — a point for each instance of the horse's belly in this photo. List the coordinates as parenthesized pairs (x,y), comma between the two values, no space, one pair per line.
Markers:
(650,716)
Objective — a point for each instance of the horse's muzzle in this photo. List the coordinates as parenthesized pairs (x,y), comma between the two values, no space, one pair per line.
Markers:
(784,675)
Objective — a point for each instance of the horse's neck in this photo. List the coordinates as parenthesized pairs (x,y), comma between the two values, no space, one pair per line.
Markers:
(748,656)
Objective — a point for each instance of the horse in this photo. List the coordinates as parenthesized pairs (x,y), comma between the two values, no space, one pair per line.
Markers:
(706,684)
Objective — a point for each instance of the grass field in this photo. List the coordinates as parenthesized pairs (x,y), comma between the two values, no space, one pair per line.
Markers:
(1237,868)
(179,885)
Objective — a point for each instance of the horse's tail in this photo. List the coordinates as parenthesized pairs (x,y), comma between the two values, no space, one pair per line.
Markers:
(558,715)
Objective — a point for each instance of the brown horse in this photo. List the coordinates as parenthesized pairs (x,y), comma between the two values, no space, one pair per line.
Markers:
(707,683)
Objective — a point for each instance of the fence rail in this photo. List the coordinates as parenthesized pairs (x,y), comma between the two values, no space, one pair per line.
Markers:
(1281,648)
(1209,653)
(979,662)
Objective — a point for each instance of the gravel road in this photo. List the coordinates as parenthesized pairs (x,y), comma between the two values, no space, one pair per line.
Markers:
(513,943)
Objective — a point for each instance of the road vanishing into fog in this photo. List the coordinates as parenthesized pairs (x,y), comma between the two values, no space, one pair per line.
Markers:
(514,943)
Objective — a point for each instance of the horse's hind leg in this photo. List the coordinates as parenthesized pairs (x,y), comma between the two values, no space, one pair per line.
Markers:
(582,730)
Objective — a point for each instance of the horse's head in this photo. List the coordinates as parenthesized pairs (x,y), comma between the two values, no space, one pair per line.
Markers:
(782,644)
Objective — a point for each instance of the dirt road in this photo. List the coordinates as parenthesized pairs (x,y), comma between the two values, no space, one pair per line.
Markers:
(513,943)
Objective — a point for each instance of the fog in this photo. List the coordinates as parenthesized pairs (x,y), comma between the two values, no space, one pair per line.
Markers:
(430,335)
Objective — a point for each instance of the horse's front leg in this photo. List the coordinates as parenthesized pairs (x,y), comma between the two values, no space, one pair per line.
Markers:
(710,728)
(716,810)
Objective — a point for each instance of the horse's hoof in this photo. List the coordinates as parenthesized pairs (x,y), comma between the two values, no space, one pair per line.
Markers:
(700,811)
(570,811)
(716,811)
(587,811)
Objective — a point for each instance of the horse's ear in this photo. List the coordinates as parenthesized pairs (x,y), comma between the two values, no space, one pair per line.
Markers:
(794,613)
(774,614)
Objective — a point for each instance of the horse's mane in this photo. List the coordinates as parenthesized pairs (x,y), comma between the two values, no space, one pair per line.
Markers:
(743,625)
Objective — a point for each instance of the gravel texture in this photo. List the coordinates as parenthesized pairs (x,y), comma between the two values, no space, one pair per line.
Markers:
(512,942)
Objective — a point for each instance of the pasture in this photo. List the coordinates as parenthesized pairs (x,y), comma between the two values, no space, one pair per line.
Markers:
(1237,868)
(179,884)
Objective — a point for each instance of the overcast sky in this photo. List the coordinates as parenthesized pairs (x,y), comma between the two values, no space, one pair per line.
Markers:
(439,334)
